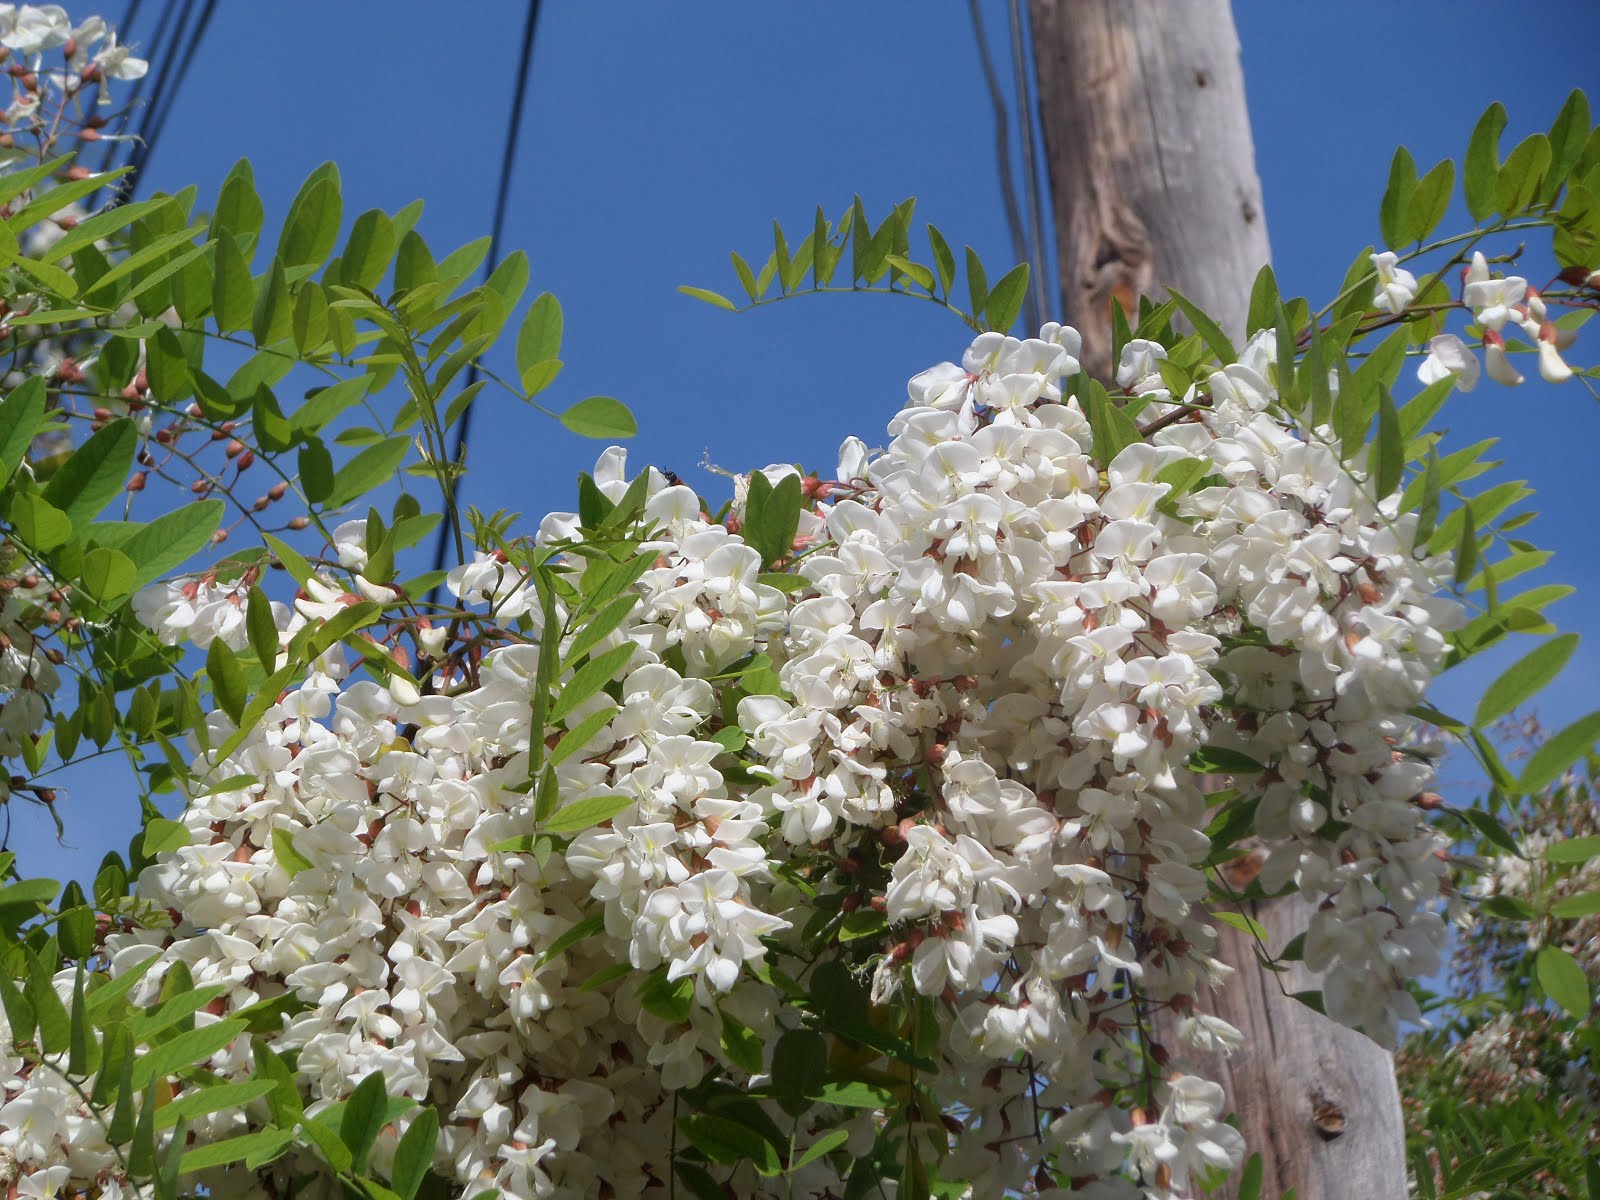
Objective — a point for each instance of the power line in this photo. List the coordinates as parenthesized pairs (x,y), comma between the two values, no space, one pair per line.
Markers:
(1030,175)
(157,58)
(502,196)
(1002,142)
(166,96)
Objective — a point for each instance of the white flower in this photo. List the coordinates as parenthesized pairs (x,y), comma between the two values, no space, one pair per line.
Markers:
(1397,287)
(1496,363)
(31,29)
(1449,356)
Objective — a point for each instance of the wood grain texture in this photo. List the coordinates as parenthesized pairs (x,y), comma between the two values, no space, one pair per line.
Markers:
(1316,1100)
(1152,168)
(1152,172)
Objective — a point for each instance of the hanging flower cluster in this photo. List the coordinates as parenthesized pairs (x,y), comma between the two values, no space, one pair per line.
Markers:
(1495,302)
(944,762)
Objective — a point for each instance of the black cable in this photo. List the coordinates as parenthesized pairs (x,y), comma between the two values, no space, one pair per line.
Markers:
(1002,139)
(169,96)
(1034,307)
(163,58)
(114,149)
(502,196)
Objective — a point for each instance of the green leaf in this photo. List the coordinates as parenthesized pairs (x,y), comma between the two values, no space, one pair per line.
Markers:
(213,1099)
(728,1142)
(741,1045)
(316,473)
(1210,332)
(1481,168)
(574,934)
(288,855)
(977,282)
(1250,1179)
(238,212)
(1005,299)
(1522,175)
(227,679)
(413,265)
(580,734)
(21,415)
(341,625)
(1507,908)
(366,471)
(853,1095)
(1243,923)
(96,472)
(326,1139)
(1574,850)
(539,339)
(772,515)
(284,1099)
(299,569)
(184,1051)
(600,624)
(586,813)
(312,226)
(1112,427)
(944,262)
(365,1114)
(414,1155)
(273,316)
(1221,760)
(368,251)
(1389,451)
(55,1023)
(1521,681)
(1584,904)
(233,290)
(826,1144)
(310,320)
(590,678)
(799,1064)
(1263,312)
(1429,201)
(1492,830)
(260,1147)
(1397,198)
(1563,981)
(715,299)
(1559,752)
(173,538)
(1466,546)
(669,1000)
(600,417)
(107,574)
(324,405)
(39,524)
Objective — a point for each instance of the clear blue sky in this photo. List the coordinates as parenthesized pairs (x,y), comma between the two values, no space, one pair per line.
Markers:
(658,137)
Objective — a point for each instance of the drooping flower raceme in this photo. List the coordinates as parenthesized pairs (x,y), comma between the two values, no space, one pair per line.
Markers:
(946,765)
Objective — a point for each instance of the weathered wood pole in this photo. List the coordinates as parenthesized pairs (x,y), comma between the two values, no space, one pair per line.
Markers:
(1153,178)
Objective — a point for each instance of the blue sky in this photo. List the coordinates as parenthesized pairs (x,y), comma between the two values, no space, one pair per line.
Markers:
(658,137)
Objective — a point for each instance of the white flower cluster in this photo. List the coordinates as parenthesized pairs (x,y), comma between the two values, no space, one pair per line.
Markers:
(975,732)
(90,49)
(1495,303)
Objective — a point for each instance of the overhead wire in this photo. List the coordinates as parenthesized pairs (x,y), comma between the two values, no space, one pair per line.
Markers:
(166,95)
(1002,142)
(117,147)
(508,156)
(1030,175)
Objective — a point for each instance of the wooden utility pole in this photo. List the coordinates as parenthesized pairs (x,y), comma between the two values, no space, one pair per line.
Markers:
(1152,170)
